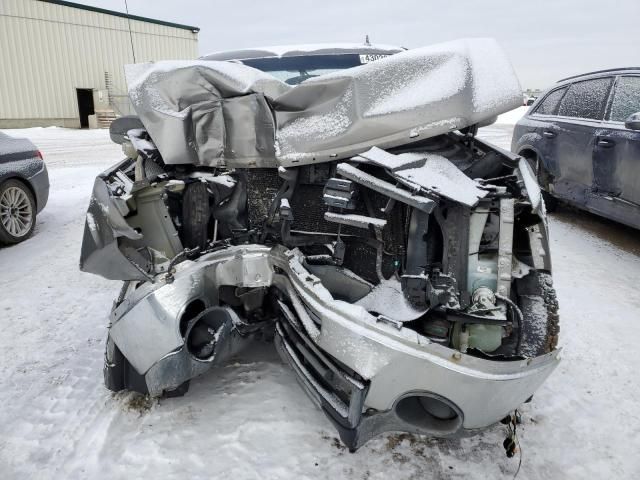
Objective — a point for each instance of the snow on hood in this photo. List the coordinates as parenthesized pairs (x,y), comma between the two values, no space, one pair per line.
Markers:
(222,113)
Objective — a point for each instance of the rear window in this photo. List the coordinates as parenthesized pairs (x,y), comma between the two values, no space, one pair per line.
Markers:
(296,69)
(549,105)
(626,98)
(586,99)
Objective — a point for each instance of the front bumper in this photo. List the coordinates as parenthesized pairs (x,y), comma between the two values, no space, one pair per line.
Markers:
(40,184)
(365,374)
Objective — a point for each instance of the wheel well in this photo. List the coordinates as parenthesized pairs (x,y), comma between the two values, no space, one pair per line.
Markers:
(26,184)
(543,175)
(527,153)
(191,311)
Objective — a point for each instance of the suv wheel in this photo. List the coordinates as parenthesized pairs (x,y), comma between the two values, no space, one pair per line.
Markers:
(17,212)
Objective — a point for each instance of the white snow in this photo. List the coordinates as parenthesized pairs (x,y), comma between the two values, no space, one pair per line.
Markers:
(240,77)
(422,83)
(427,75)
(323,125)
(430,171)
(354,219)
(438,174)
(500,132)
(143,77)
(250,419)
(425,90)
(511,117)
(388,160)
(493,74)
(387,299)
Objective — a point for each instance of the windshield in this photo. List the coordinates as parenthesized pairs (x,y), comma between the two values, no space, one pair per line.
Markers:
(296,69)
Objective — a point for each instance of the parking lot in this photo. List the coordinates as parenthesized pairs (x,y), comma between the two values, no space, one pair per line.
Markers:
(250,419)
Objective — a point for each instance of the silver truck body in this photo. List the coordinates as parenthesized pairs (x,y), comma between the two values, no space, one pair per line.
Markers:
(403,269)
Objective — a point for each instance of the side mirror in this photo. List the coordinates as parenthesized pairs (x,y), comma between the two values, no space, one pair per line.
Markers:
(121,125)
(633,121)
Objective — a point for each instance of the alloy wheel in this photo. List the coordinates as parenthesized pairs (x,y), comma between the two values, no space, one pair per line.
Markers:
(16,214)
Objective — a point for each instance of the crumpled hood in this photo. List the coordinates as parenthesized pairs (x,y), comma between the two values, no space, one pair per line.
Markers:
(220,113)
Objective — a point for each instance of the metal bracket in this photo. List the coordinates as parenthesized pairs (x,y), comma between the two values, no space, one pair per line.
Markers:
(505,246)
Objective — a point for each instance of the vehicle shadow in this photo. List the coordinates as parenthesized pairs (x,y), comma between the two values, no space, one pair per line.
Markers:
(7,246)
(621,236)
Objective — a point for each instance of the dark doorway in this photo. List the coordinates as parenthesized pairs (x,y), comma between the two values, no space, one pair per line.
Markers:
(85,105)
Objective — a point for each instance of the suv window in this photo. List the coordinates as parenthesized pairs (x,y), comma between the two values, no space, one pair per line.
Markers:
(626,99)
(586,99)
(549,105)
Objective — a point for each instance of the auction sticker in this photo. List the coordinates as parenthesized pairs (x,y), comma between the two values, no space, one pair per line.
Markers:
(371,57)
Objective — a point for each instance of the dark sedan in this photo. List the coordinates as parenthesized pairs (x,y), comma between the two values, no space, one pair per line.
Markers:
(24,188)
(582,137)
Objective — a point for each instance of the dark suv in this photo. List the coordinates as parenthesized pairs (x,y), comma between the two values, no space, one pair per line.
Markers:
(583,139)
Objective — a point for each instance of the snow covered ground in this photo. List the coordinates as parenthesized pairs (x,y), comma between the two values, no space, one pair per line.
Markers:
(250,420)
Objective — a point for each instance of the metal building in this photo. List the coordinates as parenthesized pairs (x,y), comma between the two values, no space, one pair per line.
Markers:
(62,62)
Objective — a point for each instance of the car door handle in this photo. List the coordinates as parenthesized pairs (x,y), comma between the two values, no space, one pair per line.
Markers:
(549,134)
(605,143)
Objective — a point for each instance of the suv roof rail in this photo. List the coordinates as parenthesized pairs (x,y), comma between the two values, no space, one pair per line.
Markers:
(599,71)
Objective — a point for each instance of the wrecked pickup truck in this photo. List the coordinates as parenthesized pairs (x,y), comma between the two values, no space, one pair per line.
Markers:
(400,263)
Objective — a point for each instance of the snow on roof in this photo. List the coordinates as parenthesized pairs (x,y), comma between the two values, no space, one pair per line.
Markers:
(426,91)
(304,49)
(237,77)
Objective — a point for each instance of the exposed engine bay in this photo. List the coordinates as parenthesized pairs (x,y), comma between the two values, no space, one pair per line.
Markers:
(409,287)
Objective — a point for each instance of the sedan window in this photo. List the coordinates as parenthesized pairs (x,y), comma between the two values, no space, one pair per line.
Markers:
(626,99)
(549,105)
(586,99)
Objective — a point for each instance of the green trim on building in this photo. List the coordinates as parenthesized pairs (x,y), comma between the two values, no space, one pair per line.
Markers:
(120,14)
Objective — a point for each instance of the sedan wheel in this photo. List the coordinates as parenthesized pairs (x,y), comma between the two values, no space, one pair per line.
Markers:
(17,212)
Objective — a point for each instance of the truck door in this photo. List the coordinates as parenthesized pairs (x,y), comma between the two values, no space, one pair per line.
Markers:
(616,154)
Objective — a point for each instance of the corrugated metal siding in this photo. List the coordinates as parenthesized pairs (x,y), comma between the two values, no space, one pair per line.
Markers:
(48,50)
